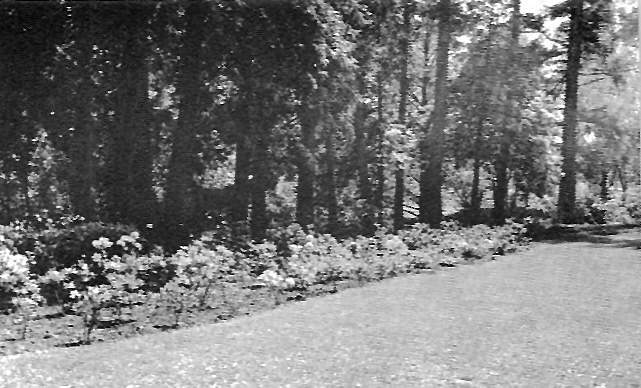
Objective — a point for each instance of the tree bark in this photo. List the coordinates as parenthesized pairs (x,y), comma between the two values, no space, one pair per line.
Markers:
(426,63)
(362,151)
(82,180)
(430,202)
(567,187)
(475,200)
(399,175)
(309,118)
(260,169)
(183,164)
(501,181)
(240,200)
(332,202)
(604,194)
(379,199)
(502,161)
(130,196)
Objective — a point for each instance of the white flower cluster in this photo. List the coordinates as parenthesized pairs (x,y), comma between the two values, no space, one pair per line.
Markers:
(13,267)
(274,279)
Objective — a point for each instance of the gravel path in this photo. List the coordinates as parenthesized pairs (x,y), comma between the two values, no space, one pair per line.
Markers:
(558,315)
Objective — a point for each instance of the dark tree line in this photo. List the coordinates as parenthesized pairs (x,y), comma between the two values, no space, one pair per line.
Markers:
(117,112)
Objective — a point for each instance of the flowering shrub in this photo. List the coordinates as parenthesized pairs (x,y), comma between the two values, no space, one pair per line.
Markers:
(62,248)
(18,290)
(77,248)
(14,275)
(200,271)
(118,275)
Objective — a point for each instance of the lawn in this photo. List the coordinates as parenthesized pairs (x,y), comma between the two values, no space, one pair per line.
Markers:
(560,314)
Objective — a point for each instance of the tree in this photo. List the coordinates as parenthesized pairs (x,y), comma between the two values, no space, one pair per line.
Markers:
(430,202)
(184,164)
(582,39)
(310,119)
(512,120)
(399,176)
(127,182)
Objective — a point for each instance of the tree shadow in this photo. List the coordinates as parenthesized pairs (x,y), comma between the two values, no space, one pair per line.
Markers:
(612,236)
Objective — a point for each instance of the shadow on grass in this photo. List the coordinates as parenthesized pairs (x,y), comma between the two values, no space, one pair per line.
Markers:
(612,236)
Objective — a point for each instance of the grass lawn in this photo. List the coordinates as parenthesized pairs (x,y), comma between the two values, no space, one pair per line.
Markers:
(566,315)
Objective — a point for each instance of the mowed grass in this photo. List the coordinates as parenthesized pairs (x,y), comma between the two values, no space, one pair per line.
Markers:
(558,315)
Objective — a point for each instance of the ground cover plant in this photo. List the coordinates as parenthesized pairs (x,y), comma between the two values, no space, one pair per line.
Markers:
(110,294)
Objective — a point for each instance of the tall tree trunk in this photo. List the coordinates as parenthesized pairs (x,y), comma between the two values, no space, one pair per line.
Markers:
(604,194)
(502,161)
(426,64)
(567,186)
(379,198)
(309,118)
(430,203)
(622,179)
(260,169)
(332,202)
(241,195)
(423,178)
(475,201)
(501,181)
(399,175)
(183,164)
(82,180)
(362,151)
(130,194)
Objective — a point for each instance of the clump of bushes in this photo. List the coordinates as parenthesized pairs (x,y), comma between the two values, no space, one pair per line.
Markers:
(104,272)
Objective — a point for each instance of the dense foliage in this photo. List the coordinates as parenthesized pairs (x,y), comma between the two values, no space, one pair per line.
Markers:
(339,115)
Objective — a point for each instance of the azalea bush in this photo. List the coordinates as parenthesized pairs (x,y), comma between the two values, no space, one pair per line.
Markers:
(19,291)
(201,271)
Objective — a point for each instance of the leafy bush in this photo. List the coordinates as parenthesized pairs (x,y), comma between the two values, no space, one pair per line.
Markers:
(622,208)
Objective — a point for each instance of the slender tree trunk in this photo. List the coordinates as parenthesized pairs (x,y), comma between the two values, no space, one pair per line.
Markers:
(622,179)
(426,63)
(475,201)
(399,175)
(501,163)
(183,164)
(362,151)
(260,169)
(309,118)
(423,178)
(430,203)
(241,196)
(379,199)
(502,182)
(567,187)
(332,202)
(82,180)
(130,192)
(604,186)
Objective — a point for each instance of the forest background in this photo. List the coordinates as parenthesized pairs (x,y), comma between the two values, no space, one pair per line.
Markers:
(341,116)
